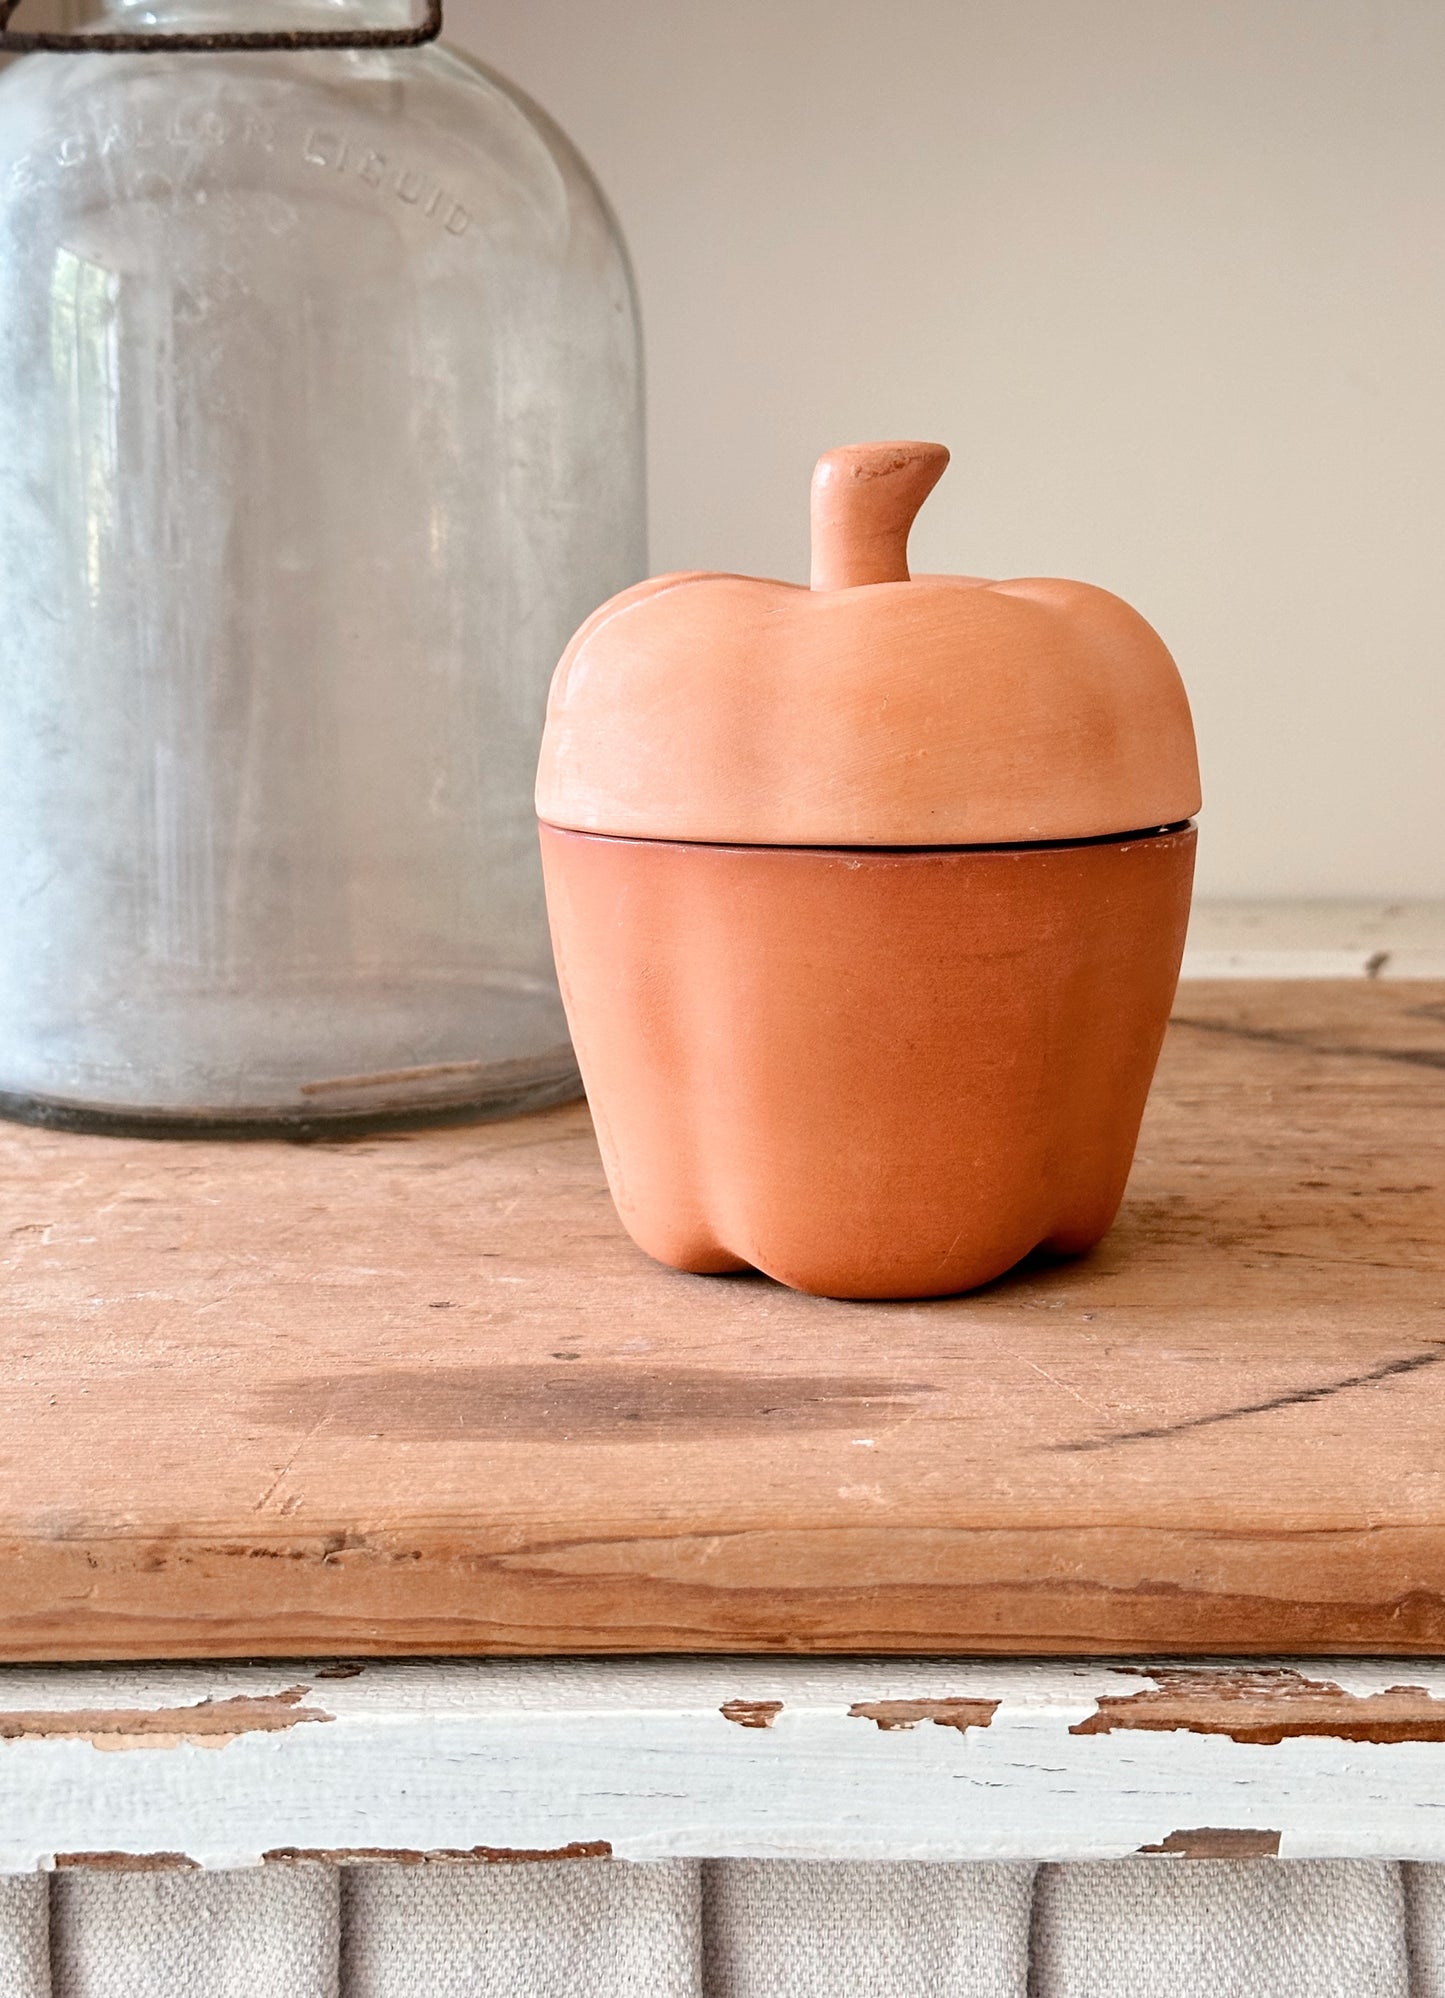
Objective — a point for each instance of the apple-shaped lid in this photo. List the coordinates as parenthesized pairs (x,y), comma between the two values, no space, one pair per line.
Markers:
(872,709)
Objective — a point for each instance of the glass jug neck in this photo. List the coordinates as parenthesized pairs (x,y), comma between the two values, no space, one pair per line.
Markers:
(239,16)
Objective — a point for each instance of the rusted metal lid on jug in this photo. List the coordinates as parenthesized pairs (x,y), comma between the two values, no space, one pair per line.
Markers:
(873,708)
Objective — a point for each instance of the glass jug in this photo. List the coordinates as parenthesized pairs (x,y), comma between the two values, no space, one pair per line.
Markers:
(320,431)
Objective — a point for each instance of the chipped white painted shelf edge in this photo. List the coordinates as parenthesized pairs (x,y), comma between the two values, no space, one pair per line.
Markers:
(226,1766)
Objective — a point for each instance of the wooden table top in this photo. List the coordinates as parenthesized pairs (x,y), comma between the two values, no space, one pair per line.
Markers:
(420,1393)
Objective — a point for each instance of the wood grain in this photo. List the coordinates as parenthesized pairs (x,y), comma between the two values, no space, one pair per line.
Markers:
(421,1394)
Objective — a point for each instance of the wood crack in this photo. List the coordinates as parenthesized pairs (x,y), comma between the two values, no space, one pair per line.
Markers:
(1410,1363)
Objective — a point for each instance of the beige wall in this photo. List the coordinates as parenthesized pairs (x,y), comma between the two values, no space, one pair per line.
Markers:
(1169,277)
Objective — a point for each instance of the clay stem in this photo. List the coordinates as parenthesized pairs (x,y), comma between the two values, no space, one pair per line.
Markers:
(865,497)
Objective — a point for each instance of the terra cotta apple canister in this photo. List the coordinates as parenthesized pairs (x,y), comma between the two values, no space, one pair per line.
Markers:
(868,901)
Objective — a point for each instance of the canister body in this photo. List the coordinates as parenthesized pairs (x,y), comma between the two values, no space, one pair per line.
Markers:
(867,1073)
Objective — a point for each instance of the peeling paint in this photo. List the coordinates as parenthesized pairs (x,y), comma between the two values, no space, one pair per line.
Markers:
(751,1713)
(486,1855)
(890,1714)
(1096,1760)
(1219,1842)
(207,1724)
(124,1862)
(1301,1397)
(1266,1707)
